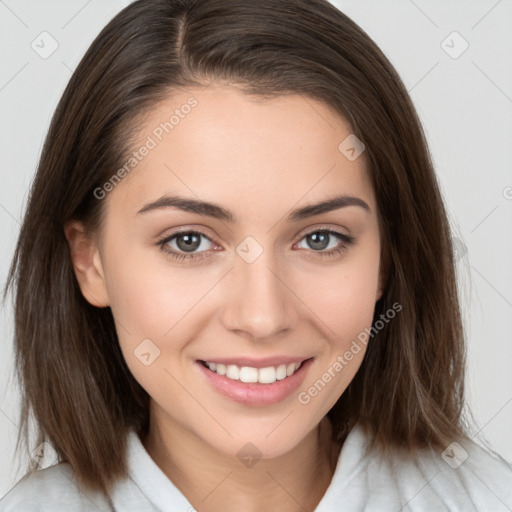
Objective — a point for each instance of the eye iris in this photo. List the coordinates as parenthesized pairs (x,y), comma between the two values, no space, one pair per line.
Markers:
(318,240)
(190,242)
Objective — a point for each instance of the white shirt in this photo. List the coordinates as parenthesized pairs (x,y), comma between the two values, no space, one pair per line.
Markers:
(482,482)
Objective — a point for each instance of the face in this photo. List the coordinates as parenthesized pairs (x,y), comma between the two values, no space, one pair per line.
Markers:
(244,274)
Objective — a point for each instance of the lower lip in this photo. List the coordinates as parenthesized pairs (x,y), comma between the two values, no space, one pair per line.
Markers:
(254,393)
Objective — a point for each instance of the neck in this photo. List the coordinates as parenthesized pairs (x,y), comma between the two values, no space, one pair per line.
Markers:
(212,481)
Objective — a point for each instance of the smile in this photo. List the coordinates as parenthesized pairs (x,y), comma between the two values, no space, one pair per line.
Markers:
(255,383)
(266,375)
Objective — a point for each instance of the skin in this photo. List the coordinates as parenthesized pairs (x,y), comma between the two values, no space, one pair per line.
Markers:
(259,159)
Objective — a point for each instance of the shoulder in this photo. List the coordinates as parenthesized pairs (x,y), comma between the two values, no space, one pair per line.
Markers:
(476,472)
(51,489)
(465,476)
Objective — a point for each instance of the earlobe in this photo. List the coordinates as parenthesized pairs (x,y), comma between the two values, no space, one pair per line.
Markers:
(87,264)
(383,275)
(382,280)
(379,292)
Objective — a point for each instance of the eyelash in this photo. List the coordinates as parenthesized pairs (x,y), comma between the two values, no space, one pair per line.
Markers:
(346,241)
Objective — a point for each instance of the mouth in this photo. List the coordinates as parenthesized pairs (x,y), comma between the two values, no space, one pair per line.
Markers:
(253,374)
(257,385)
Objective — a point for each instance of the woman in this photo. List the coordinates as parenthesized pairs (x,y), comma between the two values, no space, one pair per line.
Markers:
(235,281)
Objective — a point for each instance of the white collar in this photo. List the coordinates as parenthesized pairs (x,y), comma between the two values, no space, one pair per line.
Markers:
(160,491)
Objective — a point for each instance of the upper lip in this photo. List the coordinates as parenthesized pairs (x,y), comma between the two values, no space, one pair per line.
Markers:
(256,363)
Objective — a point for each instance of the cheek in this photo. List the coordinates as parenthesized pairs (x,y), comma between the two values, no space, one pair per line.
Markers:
(343,298)
(149,295)
(343,295)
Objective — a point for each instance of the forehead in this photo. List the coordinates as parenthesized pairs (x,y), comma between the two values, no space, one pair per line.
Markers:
(222,145)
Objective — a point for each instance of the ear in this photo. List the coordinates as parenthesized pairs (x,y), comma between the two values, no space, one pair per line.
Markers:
(383,274)
(87,264)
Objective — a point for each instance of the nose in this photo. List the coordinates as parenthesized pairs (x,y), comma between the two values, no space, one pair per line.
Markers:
(259,303)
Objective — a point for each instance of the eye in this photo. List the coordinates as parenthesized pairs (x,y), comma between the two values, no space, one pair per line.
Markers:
(186,244)
(326,242)
(194,245)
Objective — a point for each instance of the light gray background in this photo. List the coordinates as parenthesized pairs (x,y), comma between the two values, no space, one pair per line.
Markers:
(465,104)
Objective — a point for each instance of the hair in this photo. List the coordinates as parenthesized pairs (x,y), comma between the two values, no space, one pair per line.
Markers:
(75,384)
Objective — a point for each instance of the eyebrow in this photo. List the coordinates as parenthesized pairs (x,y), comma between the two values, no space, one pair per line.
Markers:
(218,212)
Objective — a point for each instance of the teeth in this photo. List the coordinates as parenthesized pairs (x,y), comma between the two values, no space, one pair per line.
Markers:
(281,372)
(233,372)
(248,374)
(291,368)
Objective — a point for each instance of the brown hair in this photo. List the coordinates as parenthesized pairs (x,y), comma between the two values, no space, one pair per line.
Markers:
(409,389)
